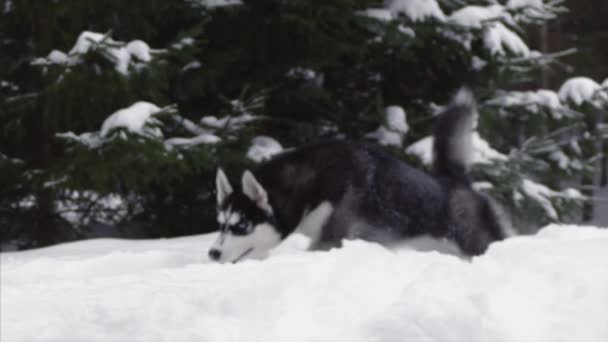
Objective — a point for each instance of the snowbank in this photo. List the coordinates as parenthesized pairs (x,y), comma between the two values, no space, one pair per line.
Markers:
(547,287)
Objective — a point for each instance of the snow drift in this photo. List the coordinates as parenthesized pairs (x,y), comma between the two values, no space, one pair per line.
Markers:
(547,287)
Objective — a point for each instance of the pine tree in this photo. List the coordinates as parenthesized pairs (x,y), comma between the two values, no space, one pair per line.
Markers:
(67,74)
(119,113)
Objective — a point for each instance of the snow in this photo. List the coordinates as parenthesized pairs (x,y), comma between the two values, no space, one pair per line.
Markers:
(416,10)
(227,122)
(392,133)
(514,4)
(58,57)
(406,30)
(396,119)
(533,101)
(547,287)
(381,14)
(480,186)
(478,63)
(139,49)
(204,138)
(527,10)
(483,153)
(475,16)
(543,195)
(135,118)
(386,137)
(562,160)
(498,37)
(540,97)
(262,148)
(578,90)
(192,66)
(91,140)
(423,149)
(302,73)
(219,3)
(9,85)
(121,54)
(187,41)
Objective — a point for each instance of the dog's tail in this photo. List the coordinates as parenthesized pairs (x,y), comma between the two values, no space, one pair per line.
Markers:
(453,136)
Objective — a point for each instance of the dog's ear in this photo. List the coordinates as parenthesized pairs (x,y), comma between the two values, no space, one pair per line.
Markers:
(222,186)
(254,190)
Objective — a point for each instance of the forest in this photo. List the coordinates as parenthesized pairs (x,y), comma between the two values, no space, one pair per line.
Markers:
(115,115)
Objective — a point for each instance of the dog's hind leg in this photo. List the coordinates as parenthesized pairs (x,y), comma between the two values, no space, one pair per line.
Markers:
(473,222)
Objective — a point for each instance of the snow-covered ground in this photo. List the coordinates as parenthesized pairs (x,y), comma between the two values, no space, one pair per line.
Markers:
(547,287)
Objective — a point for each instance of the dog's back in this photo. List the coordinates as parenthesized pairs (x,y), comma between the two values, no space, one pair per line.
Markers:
(373,195)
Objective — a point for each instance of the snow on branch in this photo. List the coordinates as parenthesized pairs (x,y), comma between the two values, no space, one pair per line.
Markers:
(122,55)
(381,14)
(497,37)
(392,131)
(137,118)
(263,148)
(416,10)
(532,101)
(476,16)
(483,153)
(211,4)
(579,90)
(543,196)
(535,11)
(140,119)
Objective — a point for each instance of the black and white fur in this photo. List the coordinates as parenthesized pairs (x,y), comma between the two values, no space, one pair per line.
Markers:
(338,189)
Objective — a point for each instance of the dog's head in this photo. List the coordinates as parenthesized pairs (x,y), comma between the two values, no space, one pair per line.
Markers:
(246,221)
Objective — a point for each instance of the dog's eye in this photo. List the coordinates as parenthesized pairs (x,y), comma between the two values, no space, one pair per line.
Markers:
(240,228)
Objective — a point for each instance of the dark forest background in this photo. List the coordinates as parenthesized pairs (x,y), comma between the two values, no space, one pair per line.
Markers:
(292,71)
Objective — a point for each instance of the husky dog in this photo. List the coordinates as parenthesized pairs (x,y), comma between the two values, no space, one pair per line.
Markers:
(340,189)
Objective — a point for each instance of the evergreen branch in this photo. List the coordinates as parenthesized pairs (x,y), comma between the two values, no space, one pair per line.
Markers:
(24,97)
(549,56)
